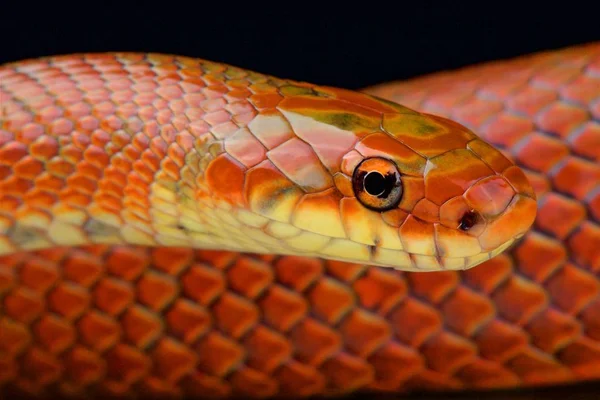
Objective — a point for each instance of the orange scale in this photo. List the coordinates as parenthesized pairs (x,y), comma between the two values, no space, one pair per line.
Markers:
(115,175)
(245,148)
(108,186)
(119,85)
(44,148)
(143,171)
(86,123)
(96,156)
(74,197)
(516,219)
(418,237)
(490,196)
(12,152)
(17,120)
(427,211)
(320,213)
(159,147)
(165,116)
(240,94)
(587,141)
(531,99)
(151,160)
(507,129)
(561,118)
(349,162)
(361,224)
(541,152)
(136,216)
(178,106)
(59,167)
(266,100)
(171,169)
(8,203)
(30,133)
(425,134)
(82,183)
(244,119)
(458,129)
(343,183)
(494,159)
(136,186)
(328,141)
(91,84)
(176,151)
(123,96)
(137,204)
(271,193)
(262,88)
(167,174)
(517,179)
(170,92)
(299,163)
(145,101)
(5,172)
(225,178)
(539,182)
(49,114)
(82,141)
(119,162)
(413,190)
(5,138)
(28,168)
(141,141)
(215,90)
(213,104)
(108,202)
(576,177)
(395,217)
(382,145)
(452,173)
(39,198)
(71,96)
(239,83)
(89,170)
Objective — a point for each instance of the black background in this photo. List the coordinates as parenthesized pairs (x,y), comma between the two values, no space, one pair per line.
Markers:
(352,45)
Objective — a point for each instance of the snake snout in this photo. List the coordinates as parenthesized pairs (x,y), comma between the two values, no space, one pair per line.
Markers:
(508,203)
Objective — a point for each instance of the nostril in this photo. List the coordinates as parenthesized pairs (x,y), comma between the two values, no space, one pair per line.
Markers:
(468,220)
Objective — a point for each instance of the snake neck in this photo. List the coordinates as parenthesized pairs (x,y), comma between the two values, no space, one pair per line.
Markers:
(90,155)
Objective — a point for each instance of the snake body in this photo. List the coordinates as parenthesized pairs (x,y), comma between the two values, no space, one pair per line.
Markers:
(177,227)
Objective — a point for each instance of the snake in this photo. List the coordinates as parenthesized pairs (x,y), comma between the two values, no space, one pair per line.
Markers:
(175,227)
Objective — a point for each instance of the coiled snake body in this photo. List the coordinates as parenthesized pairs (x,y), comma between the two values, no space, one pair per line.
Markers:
(176,227)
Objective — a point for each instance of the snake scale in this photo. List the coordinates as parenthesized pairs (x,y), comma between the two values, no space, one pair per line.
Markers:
(172,227)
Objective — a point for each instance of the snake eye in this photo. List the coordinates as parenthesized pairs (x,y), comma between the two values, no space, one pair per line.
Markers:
(377,184)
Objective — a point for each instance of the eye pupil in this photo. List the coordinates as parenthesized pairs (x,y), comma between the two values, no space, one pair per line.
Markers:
(468,221)
(375,183)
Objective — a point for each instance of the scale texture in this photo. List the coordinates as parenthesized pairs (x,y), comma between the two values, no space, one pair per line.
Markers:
(136,322)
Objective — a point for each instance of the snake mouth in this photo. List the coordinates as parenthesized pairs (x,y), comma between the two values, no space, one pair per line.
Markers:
(426,263)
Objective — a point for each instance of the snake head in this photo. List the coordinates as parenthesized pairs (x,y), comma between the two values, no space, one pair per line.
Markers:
(353,177)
